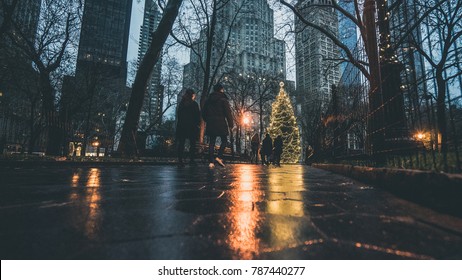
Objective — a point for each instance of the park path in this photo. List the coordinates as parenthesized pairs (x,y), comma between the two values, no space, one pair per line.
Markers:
(241,211)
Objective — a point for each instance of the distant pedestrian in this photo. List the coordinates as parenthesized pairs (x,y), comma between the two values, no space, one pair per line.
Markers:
(254,146)
(266,149)
(308,154)
(188,120)
(277,150)
(219,121)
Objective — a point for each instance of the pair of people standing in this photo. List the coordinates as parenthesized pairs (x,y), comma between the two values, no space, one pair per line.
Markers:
(216,113)
(269,152)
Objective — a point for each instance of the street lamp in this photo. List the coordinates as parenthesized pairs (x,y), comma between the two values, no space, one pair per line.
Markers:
(96,145)
(245,122)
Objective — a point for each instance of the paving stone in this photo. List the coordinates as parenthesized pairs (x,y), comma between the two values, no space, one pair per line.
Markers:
(241,211)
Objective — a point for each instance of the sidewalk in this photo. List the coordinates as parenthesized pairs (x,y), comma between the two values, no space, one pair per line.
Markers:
(241,211)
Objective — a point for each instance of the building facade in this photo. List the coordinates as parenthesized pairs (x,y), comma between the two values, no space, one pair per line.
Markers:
(315,70)
(104,38)
(251,48)
(101,70)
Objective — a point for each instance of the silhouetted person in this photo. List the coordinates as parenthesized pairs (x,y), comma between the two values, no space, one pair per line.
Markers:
(277,152)
(217,114)
(188,120)
(254,146)
(266,149)
(308,154)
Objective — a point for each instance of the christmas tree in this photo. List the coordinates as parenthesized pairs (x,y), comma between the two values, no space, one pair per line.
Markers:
(284,123)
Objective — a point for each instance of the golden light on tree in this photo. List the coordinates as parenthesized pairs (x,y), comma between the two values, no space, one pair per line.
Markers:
(284,123)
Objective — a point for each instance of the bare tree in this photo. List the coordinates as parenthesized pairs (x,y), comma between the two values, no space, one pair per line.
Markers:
(442,48)
(381,68)
(208,38)
(171,79)
(250,93)
(20,99)
(266,88)
(240,92)
(58,27)
(127,145)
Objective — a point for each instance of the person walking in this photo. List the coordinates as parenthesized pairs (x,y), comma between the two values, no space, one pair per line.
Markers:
(277,150)
(219,121)
(266,149)
(188,120)
(254,146)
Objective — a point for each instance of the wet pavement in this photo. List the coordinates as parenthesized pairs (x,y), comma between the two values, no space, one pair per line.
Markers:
(241,211)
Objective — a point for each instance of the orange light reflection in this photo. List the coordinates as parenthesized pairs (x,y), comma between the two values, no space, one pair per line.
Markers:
(75,179)
(243,219)
(93,198)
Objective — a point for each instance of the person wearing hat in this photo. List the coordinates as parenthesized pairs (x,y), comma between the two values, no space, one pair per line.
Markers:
(219,121)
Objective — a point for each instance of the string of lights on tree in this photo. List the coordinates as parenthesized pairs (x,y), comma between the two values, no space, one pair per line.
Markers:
(386,51)
(284,123)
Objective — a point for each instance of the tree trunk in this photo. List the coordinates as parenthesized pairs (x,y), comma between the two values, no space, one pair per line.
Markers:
(52,130)
(441,116)
(33,137)
(127,145)
(206,82)
(375,123)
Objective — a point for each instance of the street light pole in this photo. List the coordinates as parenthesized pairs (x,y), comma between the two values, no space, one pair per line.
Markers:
(245,122)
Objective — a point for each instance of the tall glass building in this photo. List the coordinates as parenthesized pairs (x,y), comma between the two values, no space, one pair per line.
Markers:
(104,38)
(101,70)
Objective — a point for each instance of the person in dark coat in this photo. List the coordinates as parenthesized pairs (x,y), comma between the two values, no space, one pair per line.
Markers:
(254,145)
(277,152)
(266,149)
(219,121)
(188,120)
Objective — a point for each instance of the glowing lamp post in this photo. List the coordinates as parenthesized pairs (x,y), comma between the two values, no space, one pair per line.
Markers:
(96,145)
(420,136)
(245,122)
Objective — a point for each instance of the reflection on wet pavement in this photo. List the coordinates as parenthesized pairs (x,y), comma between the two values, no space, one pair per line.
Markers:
(239,212)
(242,220)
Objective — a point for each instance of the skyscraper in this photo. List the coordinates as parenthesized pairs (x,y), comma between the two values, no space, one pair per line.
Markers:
(254,48)
(315,70)
(101,71)
(152,106)
(251,49)
(104,39)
